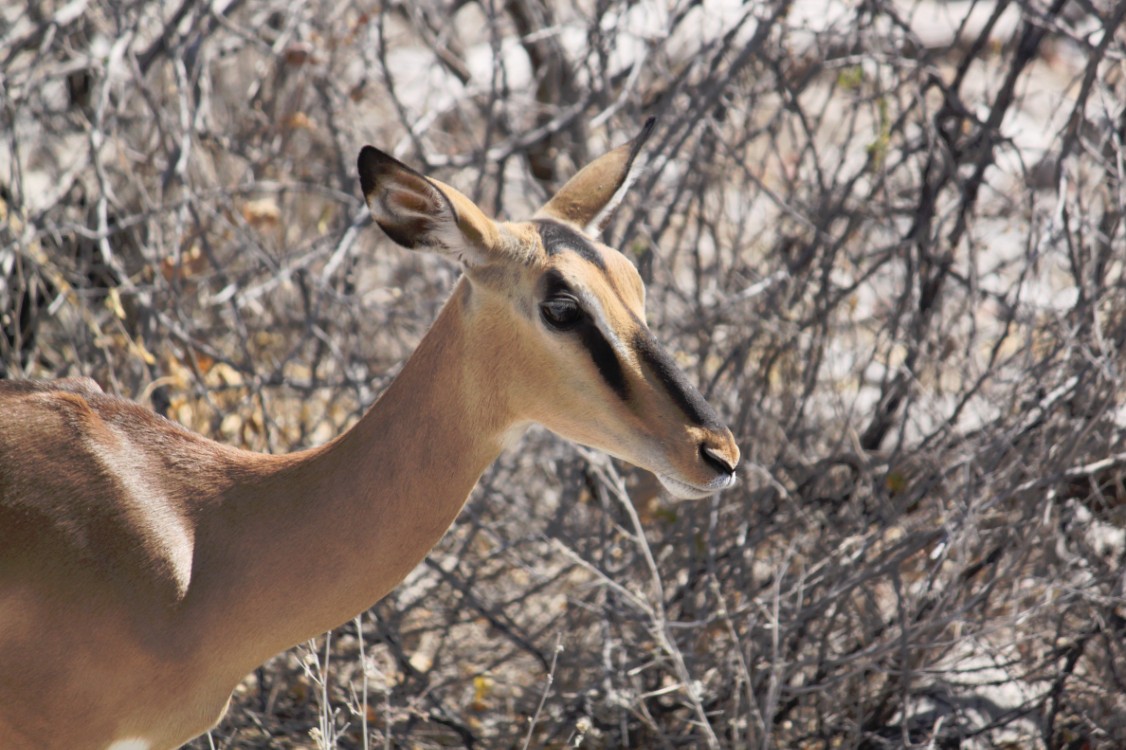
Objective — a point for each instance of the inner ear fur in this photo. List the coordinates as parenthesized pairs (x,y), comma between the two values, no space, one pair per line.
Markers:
(418,212)
(589,198)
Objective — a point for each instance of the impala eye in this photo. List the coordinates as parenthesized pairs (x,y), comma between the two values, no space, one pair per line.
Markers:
(561,312)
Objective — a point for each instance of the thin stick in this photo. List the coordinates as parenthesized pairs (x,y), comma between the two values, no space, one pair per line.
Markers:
(546,690)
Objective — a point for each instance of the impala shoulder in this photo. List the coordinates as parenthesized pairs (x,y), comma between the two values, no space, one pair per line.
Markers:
(70,434)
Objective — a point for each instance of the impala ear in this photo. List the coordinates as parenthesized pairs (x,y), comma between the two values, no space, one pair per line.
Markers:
(418,212)
(590,197)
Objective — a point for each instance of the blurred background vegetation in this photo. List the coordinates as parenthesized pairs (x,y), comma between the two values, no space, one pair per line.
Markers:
(885,237)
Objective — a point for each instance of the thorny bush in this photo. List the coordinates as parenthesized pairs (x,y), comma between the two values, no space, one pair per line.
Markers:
(886,237)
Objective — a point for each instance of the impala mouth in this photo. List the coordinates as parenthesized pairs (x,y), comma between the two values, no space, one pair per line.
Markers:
(685,491)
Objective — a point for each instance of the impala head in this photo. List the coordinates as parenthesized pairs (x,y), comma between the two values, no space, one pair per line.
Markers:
(564,317)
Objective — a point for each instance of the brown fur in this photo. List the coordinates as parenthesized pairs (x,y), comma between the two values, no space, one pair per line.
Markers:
(144,570)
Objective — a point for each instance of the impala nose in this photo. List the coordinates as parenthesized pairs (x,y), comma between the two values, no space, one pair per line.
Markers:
(721,458)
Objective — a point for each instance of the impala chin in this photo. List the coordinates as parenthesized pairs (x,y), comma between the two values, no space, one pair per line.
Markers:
(685,491)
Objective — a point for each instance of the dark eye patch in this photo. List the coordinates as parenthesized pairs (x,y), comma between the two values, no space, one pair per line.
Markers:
(601,353)
(554,285)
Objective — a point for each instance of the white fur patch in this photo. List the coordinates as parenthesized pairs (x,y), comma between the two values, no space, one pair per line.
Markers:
(149,505)
(133,743)
(512,435)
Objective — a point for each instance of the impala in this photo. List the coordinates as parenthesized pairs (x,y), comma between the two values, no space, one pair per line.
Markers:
(144,570)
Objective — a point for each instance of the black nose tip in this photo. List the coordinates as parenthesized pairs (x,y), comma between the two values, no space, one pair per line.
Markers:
(715,460)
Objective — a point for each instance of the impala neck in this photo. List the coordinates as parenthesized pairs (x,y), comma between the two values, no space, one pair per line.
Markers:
(347,522)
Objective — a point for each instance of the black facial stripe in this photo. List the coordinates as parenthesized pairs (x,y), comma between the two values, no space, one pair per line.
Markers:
(661,364)
(559,238)
(604,357)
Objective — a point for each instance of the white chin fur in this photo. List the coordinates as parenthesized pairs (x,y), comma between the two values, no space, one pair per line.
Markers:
(684,491)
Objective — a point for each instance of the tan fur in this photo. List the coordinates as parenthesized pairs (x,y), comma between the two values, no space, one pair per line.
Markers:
(587,199)
(144,570)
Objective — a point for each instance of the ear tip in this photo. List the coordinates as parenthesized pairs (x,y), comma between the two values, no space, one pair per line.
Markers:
(368,156)
(639,141)
(369,165)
